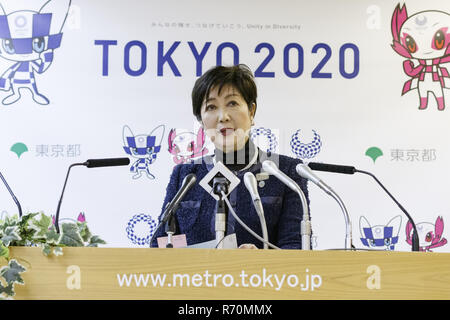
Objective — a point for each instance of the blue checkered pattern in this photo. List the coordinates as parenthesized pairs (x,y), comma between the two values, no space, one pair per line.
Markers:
(305,150)
(41,28)
(23,72)
(273,142)
(140,218)
(386,239)
(150,148)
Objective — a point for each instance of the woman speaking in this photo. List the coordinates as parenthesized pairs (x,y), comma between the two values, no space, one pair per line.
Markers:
(224,102)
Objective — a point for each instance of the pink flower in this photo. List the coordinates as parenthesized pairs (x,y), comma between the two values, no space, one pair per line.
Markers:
(81,217)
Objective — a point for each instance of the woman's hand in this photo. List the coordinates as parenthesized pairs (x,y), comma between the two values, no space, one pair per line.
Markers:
(247,246)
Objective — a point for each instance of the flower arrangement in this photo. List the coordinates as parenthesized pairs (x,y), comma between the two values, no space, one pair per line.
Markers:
(38,230)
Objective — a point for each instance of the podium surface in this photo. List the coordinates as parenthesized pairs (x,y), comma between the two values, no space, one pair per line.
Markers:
(231,274)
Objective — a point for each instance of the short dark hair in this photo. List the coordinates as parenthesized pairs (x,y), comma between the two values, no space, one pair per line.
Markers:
(239,76)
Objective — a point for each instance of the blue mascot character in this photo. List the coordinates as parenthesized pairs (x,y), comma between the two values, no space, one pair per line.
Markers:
(379,236)
(28,38)
(144,148)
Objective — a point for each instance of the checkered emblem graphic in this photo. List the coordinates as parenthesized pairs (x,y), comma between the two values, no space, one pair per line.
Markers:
(380,236)
(29,39)
(305,150)
(144,148)
(140,229)
(264,139)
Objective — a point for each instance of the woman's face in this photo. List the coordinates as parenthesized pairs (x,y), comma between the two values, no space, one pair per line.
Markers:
(226,118)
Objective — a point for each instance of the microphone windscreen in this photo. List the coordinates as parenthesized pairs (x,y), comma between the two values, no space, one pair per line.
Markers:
(189,180)
(219,172)
(110,162)
(331,168)
(252,185)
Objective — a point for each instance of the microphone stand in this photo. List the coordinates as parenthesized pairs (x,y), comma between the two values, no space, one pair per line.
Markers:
(348,225)
(251,185)
(415,236)
(306,172)
(305,225)
(90,163)
(171,229)
(12,195)
(262,219)
(220,187)
(64,188)
(159,226)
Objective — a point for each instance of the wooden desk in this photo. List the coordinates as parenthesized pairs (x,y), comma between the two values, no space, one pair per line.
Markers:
(191,274)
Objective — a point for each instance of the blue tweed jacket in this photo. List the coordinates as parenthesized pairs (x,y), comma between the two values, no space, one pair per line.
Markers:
(282,207)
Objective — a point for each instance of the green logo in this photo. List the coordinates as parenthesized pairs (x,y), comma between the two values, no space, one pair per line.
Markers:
(19,148)
(374,153)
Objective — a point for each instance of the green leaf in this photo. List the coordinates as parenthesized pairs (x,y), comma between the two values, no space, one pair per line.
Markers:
(70,235)
(10,234)
(4,251)
(57,251)
(26,218)
(52,236)
(26,233)
(41,226)
(84,231)
(12,272)
(46,249)
(11,221)
(95,241)
(8,290)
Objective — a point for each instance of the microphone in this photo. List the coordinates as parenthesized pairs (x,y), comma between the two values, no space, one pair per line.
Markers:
(186,185)
(351,170)
(331,168)
(251,185)
(219,182)
(271,167)
(111,162)
(219,177)
(305,229)
(305,172)
(172,207)
(91,163)
(12,194)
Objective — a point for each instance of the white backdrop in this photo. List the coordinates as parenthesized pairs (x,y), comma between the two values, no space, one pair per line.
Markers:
(114,68)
